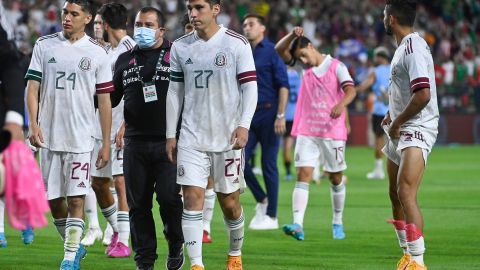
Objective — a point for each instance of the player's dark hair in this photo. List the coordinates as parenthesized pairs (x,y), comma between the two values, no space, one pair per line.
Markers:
(87,5)
(214,2)
(404,10)
(185,20)
(114,14)
(259,18)
(160,16)
(299,43)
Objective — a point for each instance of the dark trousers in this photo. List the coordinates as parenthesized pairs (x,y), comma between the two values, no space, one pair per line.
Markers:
(147,169)
(262,131)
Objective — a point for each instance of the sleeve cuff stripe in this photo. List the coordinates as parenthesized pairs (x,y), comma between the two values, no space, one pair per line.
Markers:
(420,86)
(246,74)
(249,79)
(347,83)
(103,85)
(34,72)
(105,90)
(33,77)
(176,73)
(419,80)
(175,79)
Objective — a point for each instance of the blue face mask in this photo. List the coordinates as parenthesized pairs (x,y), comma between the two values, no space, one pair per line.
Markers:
(144,37)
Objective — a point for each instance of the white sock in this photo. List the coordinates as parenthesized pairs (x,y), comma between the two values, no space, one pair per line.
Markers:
(235,234)
(299,202)
(110,213)
(379,165)
(123,227)
(2,216)
(60,224)
(114,194)
(337,194)
(416,249)
(208,206)
(192,233)
(91,209)
(402,240)
(73,234)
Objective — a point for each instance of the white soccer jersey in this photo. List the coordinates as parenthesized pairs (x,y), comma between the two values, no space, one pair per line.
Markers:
(125,44)
(212,72)
(70,75)
(411,70)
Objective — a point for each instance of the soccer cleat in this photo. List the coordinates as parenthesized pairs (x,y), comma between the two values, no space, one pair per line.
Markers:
(3,240)
(28,236)
(92,235)
(288,177)
(113,243)
(206,237)
(338,233)
(257,171)
(175,259)
(403,262)
(120,251)
(81,253)
(260,214)
(413,265)
(67,265)
(234,263)
(376,175)
(196,267)
(107,235)
(267,223)
(295,230)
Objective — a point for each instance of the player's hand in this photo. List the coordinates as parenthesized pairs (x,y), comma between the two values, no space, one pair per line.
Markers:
(16,131)
(386,120)
(103,157)
(280,126)
(394,131)
(239,138)
(119,137)
(297,31)
(171,149)
(337,111)
(36,136)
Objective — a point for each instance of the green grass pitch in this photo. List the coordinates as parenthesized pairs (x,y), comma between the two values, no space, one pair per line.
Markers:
(449,198)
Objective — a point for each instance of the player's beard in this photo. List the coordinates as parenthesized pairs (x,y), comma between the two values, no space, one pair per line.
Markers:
(105,36)
(388,29)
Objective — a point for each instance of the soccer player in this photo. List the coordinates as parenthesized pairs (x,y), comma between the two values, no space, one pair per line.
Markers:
(213,76)
(411,125)
(268,122)
(66,70)
(326,90)
(114,18)
(378,79)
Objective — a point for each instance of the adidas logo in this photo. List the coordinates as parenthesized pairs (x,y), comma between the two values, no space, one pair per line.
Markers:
(236,181)
(189,62)
(52,60)
(82,185)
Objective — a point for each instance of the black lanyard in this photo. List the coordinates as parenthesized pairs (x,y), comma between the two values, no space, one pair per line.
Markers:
(157,68)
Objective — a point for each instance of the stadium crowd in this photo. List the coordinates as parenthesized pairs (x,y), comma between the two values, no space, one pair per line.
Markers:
(349,30)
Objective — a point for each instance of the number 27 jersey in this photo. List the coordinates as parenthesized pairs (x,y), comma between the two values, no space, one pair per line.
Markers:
(70,74)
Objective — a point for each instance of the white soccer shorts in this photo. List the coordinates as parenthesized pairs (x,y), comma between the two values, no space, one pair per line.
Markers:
(226,168)
(409,137)
(331,153)
(115,164)
(64,173)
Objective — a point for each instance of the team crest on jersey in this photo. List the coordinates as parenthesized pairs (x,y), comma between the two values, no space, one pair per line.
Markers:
(220,59)
(85,64)
(181,171)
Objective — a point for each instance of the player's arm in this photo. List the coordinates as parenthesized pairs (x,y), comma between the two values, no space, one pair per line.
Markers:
(283,45)
(346,82)
(281,83)
(34,77)
(367,83)
(175,96)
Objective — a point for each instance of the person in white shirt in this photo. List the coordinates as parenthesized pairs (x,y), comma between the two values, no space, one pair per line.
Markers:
(67,69)
(411,125)
(213,75)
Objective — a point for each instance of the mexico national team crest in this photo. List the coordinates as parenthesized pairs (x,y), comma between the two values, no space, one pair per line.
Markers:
(181,171)
(220,59)
(85,64)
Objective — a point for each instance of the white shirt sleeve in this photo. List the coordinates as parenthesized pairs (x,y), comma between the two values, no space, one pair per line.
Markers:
(104,75)
(247,79)
(175,94)
(343,75)
(416,63)
(36,63)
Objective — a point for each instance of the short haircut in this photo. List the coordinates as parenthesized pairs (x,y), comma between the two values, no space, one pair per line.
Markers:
(160,17)
(299,43)
(214,2)
(404,10)
(259,18)
(87,5)
(114,14)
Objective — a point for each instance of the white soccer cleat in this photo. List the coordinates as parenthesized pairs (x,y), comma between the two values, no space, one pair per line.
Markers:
(257,171)
(92,235)
(107,235)
(267,223)
(378,175)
